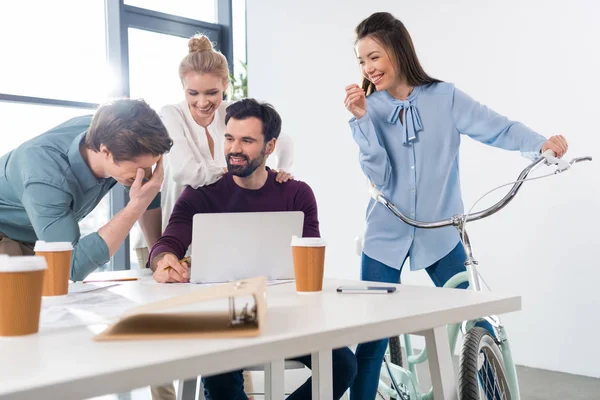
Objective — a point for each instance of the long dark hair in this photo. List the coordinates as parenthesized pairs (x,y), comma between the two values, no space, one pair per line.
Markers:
(391,33)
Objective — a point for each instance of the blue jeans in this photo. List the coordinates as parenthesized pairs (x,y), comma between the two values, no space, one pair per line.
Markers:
(230,385)
(369,356)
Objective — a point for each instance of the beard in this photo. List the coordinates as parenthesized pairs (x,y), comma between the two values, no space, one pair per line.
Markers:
(246,170)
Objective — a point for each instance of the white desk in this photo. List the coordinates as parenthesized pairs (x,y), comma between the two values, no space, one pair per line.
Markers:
(68,364)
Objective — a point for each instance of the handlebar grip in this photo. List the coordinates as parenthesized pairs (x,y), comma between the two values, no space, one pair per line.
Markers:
(549,154)
(374,192)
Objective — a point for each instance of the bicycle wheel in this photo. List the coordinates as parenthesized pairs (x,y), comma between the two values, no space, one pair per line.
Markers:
(482,375)
(395,350)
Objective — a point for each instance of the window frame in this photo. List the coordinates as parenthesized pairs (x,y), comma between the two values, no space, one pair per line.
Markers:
(118,19)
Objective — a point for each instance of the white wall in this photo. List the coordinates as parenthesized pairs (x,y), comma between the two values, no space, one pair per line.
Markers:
(535,61)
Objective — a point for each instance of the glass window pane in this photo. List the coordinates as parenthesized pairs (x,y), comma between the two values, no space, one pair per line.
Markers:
(95,220)
(203,10)
(39,120)
(154,67)
(21,122)
(240,78)
(154,76)
(54,49)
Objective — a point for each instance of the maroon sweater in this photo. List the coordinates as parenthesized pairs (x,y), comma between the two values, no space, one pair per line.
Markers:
(226,196)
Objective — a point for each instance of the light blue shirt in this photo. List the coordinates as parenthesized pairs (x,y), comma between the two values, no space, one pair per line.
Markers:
(414,163)
(46,188)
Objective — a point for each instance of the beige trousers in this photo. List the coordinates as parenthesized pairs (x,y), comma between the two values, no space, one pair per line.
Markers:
(14,247)
(142,255)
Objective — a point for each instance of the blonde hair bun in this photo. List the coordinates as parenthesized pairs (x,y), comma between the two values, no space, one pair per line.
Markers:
(200,43)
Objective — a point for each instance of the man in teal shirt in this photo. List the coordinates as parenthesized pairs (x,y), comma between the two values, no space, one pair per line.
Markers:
(51,182)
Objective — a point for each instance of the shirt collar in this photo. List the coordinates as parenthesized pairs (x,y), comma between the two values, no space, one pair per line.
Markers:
(80,169)
(411,97)
(412,121)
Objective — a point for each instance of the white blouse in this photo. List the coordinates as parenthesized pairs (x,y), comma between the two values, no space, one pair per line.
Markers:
(190,163)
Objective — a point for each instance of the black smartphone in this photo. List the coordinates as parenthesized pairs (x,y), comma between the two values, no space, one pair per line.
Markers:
(366,289)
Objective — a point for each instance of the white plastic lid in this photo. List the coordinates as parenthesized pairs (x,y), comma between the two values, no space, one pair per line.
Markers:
(308,242)
(41,245)
(22,263)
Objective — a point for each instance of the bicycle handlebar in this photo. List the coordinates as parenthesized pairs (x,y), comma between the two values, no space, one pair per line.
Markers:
(548,156)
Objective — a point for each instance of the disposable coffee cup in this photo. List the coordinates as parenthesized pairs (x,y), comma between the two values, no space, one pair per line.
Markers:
(58,257)
(21,281)
(309,263)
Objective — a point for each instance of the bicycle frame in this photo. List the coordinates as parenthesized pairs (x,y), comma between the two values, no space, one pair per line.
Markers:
(471,275)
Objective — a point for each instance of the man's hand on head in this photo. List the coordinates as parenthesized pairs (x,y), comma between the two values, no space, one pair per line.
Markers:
(143,192)
(170,270)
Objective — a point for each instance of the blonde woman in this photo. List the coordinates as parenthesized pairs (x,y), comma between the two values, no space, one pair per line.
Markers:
(197,127)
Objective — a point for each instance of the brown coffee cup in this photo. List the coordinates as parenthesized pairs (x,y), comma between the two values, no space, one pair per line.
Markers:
(21,280)
(309,263)
(58,257)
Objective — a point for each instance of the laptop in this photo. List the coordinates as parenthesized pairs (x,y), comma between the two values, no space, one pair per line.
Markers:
(233,246)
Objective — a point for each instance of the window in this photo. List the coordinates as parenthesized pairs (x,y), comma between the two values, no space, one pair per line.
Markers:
(202,10)
(95,220)
(57,54)
(239,36)
(153,75)
(154,67)
(21,121)
(56,50)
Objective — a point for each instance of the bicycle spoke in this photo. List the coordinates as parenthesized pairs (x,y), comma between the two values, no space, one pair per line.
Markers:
(490,388)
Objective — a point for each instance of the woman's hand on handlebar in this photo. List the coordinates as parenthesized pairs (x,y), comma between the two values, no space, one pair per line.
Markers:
(558,144)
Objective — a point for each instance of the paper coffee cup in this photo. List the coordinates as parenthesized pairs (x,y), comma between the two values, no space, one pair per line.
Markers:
(309,263)
(21,280)
(58,257)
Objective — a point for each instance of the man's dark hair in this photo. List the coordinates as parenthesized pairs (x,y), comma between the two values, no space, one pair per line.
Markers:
(247,108)
(129,129)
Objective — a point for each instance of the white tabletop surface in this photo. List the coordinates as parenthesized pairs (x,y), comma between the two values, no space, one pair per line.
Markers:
(68,364)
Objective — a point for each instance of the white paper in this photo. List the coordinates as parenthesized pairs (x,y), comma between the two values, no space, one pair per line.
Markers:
(84,308)
(79,287)
(93,304)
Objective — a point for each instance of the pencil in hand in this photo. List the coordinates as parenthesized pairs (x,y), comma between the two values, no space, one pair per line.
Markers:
(185,259)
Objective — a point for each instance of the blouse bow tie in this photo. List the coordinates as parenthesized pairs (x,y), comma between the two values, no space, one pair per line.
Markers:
(412,121)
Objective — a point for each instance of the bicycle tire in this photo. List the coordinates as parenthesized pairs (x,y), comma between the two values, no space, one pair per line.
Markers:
(395,351)
(481,371)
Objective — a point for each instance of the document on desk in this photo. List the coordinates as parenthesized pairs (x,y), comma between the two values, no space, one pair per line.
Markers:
(79,287)
(93,304)
(98,306)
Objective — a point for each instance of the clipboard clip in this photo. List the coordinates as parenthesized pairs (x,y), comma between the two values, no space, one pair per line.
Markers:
(246,316)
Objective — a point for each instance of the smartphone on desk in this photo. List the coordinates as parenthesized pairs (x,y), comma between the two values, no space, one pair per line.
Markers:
(366,289)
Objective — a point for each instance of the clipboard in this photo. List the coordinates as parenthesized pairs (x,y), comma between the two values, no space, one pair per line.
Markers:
(153,321)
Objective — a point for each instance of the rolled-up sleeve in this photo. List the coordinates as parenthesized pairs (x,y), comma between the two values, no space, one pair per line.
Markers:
(49,210)
(155,203)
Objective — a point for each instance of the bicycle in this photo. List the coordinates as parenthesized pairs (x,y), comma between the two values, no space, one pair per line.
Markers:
(486,367)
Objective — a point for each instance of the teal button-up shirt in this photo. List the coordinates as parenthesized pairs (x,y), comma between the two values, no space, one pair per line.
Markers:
(46,188)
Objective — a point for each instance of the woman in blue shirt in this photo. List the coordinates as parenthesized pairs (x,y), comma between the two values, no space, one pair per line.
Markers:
(408,128)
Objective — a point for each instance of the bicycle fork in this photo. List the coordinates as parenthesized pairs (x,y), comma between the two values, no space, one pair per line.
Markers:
(500,333)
